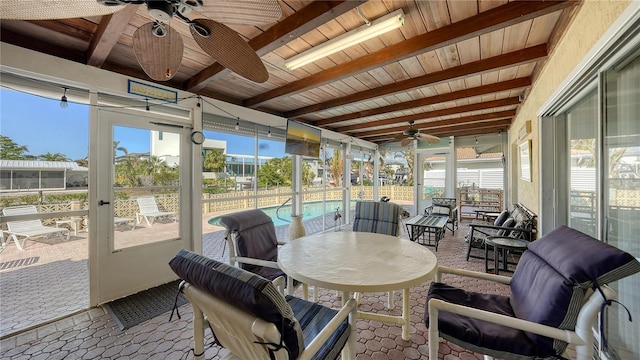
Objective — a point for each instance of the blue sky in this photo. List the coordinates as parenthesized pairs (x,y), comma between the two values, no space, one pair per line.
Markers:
(43,126)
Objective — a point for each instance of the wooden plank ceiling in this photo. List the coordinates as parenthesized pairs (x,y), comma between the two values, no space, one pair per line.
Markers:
(455,67)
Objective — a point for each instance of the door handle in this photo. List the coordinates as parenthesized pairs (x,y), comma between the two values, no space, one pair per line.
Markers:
(102,202)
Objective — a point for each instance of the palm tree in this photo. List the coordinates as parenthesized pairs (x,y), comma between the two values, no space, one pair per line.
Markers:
(53,157)
(117,148)
(336,167)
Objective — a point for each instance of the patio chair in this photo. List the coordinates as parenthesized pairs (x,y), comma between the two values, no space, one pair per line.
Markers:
(149,209)
(445,207)
(28,229)
(253,244)
(557,291)
(377,217)
(381,218)
(248,316)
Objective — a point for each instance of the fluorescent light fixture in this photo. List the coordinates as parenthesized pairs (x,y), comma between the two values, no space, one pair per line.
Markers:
(365,32)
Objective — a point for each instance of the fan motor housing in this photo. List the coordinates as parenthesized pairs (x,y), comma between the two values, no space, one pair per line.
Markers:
(160,10)
(410,132)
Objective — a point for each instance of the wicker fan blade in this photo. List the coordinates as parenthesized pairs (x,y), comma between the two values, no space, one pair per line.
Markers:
(242,12)
(406,141)
(429,138)
(231,51)
(53,9)
(159,57)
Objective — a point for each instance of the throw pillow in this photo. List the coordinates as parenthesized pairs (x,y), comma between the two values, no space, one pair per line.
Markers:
(507,223)
(501,218)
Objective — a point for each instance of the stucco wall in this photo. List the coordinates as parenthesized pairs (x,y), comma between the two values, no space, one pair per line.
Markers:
(590,22)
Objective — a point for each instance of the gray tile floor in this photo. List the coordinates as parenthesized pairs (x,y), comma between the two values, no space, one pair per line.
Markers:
(90,334)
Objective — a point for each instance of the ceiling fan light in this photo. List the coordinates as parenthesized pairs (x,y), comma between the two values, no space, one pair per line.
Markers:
(365,32)
(160,10)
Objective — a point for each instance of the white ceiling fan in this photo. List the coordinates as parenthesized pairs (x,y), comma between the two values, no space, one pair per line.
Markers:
(158,47)
(411,133)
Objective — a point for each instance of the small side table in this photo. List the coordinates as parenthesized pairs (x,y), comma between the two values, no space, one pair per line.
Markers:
(504,245)
(74,224)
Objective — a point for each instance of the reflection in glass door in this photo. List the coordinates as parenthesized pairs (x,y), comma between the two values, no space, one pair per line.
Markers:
(621,185)
(582,122)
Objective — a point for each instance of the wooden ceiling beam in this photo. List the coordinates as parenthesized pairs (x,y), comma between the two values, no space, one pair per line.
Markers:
(440,123)
(296,25)
(489,128)
(75,28)
(500,17)
(479,67)
(107,35)
(352,129)
(436,99)
(26,42)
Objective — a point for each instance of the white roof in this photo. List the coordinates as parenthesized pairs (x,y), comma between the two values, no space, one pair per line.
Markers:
(41,165)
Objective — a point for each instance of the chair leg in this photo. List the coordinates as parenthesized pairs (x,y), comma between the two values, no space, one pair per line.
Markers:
(434,334)
(17,242)
(198,333)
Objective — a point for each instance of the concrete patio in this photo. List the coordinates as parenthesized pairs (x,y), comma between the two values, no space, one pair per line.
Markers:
(50,281)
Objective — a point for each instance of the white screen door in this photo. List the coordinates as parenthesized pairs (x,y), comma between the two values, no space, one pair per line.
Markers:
(140,220)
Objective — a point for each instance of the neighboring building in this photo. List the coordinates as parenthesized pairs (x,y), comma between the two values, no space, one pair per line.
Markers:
(17,175)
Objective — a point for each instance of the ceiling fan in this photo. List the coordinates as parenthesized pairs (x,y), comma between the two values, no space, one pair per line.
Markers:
(410,134)
(158,47)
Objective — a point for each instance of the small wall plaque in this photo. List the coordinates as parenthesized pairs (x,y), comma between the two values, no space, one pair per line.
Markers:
(152,92)
(524,130)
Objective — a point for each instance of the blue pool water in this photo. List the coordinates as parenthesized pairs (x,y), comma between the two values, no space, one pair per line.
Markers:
(310,211)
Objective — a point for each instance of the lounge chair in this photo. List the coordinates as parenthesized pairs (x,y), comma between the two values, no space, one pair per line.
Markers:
(27,229)
(149,209)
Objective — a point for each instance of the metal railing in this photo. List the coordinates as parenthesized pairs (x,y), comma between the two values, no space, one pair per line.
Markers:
(278,210)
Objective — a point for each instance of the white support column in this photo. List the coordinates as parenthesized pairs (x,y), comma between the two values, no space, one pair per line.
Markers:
(346,180)
(296,174)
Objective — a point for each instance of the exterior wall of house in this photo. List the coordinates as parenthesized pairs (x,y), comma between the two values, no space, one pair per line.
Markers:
(590,22)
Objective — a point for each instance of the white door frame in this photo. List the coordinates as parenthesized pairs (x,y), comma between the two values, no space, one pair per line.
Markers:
(450,174)
(117,273)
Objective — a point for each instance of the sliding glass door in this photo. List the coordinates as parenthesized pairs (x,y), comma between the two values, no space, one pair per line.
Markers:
(621,189)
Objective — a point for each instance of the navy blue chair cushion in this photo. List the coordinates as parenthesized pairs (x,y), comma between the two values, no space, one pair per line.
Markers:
(377,217)
(593,261)
(255,237)
(315,317)
(548,287)
(248,291)
(478,335)
(553,275)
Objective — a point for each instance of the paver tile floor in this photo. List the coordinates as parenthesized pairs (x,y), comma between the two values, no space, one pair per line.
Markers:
(61,273)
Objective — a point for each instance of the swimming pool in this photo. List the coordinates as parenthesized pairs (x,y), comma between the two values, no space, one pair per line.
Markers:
(310,211)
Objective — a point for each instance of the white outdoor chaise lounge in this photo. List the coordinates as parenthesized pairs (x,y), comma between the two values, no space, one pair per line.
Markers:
(28,229)
(149,209)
